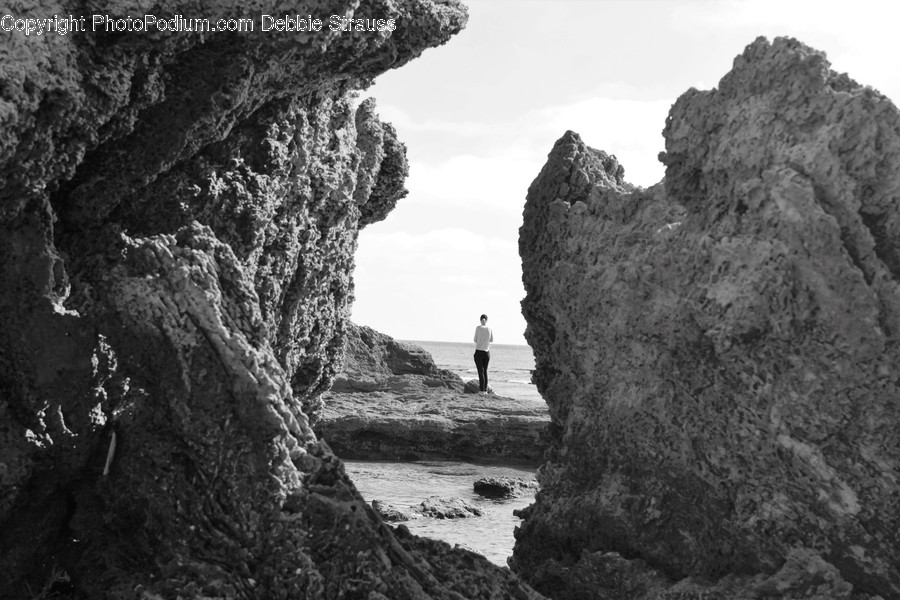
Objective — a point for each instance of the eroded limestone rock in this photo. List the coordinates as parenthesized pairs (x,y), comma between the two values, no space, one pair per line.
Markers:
(178,218)
(719,353)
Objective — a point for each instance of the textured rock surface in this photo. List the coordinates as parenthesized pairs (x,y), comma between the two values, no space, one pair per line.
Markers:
(392,402)
(423,423)
(394,514)
(374,361)
(178,218)
(449,508)
(434,507)
(503,487)
(720,354)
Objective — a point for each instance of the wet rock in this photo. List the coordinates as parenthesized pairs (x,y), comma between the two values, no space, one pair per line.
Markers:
(449,508)
(504,487)
(719,351)
(523,513)
(392,514)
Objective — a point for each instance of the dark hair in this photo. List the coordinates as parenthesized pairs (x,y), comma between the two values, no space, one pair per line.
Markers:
(482,317)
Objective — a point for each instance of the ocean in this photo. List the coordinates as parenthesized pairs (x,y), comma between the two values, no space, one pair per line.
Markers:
(509,372)
(408,484)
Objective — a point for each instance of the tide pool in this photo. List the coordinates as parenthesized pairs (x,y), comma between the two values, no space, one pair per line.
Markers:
(408,484)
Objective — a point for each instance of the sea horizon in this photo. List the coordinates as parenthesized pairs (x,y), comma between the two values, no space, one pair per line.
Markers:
(406,341)
(510,371)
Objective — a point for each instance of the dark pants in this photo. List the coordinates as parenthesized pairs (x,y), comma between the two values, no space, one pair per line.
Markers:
(482,358)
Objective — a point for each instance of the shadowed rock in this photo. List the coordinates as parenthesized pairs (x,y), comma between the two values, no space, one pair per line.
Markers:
(503,487)
(719,352)
(178,218)
(448,508)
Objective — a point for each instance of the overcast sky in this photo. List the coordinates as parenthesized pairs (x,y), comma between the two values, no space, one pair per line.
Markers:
(480,114)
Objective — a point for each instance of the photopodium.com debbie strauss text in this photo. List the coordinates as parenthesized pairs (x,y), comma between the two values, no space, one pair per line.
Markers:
(179,23)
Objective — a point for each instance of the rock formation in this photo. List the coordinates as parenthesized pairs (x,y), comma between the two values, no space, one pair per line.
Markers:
(720,352)
(178,218)
(449,508)
(434,507)
(374,361)
(392,402)
(394,514)
(503,487)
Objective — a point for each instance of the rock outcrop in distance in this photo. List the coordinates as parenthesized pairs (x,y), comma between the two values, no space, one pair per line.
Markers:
(375,362)
(433,507)
(720,352)
(178,219)
(392,402)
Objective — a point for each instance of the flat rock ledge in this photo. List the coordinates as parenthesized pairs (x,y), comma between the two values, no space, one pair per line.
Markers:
(430,424)
(391,402)
(433,507)
(448,508)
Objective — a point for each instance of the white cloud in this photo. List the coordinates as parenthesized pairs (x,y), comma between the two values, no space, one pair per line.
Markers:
(432,285)
(858,38)
(405,123)
(428,279)
(498,181)
(476,144)
(498,169)
(629,129)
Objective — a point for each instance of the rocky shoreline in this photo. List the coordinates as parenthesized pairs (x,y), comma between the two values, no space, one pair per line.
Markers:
(391,402)
(179,216)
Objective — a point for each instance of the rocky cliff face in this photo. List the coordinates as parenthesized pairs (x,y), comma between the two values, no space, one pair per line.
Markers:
(719,353)
(178,218)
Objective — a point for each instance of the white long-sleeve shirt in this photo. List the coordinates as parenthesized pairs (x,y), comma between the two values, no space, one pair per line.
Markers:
(483,338)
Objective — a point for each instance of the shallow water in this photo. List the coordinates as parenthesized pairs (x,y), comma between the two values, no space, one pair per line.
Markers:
(408,484)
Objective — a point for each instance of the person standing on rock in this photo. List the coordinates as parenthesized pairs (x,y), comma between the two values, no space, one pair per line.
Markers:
(483,338)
